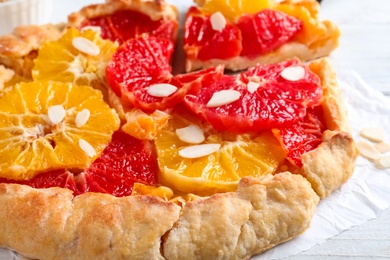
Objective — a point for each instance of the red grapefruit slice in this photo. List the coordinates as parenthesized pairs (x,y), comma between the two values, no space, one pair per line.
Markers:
(266,31)
(203,42)
(126,24)
(303,136)
(125,161)
(143,62)
(275,102)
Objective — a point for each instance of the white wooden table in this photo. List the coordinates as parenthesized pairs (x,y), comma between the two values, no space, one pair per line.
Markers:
(364,47)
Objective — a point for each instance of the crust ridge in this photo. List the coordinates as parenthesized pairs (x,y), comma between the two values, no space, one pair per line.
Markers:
(239,224)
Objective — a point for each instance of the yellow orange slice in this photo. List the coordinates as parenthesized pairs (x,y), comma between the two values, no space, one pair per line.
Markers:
(238,156)
(77,57)
(233,9)
(51,125)
(145,126)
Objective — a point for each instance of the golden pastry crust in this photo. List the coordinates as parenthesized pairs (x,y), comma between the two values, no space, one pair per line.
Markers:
(319,45)
(154,9)
(240,224)
(332,163)
(18,49)
(51,224)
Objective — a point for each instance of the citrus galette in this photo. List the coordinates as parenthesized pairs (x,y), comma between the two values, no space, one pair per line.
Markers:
(105,153)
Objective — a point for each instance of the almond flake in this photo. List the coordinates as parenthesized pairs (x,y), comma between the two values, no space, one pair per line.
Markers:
(293,73)
(84,45)
(223,97)
(218,21)
(82,117)
(373,134)
(368,151)
(191,134)
(56,114)
(252,86)
(87,148)
(383,162)
(199,150)
(161,90)
(382,147)
(97,29)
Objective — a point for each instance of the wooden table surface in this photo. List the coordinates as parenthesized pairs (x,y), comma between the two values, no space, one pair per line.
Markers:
(365,48)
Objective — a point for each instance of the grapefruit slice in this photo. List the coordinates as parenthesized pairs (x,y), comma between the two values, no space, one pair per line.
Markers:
(303,136)
(265,31)
(126,24)
(143,63)
(268,97)
(123,162)
(203,42)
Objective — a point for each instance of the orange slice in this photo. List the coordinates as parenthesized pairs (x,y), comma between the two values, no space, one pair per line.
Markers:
(77,57)
(238,156)
(51,125)
(145,126)
(233,9)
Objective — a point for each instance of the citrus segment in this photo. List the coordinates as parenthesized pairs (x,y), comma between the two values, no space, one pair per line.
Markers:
(233,9)
(63,60)
(145,126)
(126,24)
(144,62)
(203,42)
(125,160)
(56,178)
(140,59)
(276,102)
(312,30)
(303,136)
(31,143)
(266,31)
(220,171)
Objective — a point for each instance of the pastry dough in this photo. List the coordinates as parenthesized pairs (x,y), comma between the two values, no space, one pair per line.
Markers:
(51,224)
(154,9)
(18,50)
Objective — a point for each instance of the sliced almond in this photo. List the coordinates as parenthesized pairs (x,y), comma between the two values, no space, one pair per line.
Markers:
(293,73)
(367,150)
(252,86)
(200,150)
(191,134)
(87,148)
(223,97)
(82,117)
(218,21)
(373,134)
(56,114)
(161,90)
(97,29)
(383,162)
(382,147)
(84,45)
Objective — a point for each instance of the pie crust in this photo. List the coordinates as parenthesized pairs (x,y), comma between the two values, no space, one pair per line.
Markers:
(318,46)
(261,213)
(154,9)
(19,49)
